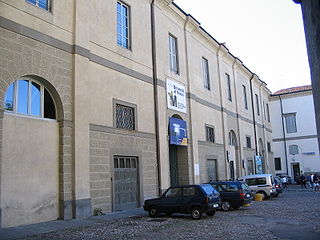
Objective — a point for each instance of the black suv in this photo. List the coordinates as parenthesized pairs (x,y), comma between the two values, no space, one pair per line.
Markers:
(194,199)
(234,194)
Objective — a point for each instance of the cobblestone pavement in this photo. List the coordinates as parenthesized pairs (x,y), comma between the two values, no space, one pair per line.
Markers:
(293,215)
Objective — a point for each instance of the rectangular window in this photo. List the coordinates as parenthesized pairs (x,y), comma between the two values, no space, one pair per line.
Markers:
(123,25)
(229,87)
(291,125)
(245,101)
(43,4)
(248,141)
(209,134)
(268,112)
(257,105)
(264,111)
(173,54)
(205,71)
(277,164)
(269,146)
(125,117)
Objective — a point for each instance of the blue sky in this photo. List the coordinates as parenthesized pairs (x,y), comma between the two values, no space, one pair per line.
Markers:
(267,35)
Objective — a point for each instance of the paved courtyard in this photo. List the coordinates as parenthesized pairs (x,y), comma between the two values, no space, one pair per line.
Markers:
(293,215)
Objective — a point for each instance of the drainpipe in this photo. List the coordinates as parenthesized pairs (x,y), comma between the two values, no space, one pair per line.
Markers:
(284,136)
(239,150)
(222,119)
(189,101)
(254,121)
(155,94)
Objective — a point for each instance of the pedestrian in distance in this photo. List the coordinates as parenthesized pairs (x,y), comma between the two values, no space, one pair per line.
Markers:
(303,181)
(284,181)
(311,180)
(316,181)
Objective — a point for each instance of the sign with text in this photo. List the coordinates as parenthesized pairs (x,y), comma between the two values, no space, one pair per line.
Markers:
(176,96)
(178,132)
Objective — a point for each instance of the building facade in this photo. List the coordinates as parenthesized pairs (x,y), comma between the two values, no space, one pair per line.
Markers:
(294,132)
(105,105)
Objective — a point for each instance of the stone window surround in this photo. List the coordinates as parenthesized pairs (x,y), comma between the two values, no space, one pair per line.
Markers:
(134,106)
(207,126)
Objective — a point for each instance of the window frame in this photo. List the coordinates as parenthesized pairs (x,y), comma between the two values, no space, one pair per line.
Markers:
(174,55)
(126,104)
(29,99)
(269,146)
(205,73)
(277,162)
(257,104)
(210,138)
(36,3)
(245,99)
(248,138)
(286,117)
(228,79)
(128,26)
(268,112)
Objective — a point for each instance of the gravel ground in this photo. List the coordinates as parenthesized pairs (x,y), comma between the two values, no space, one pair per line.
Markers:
(293,215)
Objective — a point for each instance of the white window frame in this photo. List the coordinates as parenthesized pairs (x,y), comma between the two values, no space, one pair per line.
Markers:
(205,73)
(257,104)
(245,99)
(37,4)
(125,39)
(173,54)
(289,128)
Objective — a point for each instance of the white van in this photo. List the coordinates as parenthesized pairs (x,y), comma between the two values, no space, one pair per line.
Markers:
(261,183)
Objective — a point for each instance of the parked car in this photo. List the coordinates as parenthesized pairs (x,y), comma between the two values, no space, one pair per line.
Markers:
(261,183)
(233,194)
(194,199)
(278,185)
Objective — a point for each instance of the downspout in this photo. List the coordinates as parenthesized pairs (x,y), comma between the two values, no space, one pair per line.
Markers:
(240,166)
(189,102)
(155,94)
(254,121)
(222,119)
(284,136)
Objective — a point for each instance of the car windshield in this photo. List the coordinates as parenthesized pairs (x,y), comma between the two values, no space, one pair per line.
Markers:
(245,186)
(208,189)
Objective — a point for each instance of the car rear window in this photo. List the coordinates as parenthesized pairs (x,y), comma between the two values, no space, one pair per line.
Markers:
(208,189)
(245,186)
(256,181)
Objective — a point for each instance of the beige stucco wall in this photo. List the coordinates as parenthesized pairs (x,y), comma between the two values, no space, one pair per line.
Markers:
(30,185)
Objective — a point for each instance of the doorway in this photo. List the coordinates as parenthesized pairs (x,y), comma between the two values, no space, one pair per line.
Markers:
(296,171)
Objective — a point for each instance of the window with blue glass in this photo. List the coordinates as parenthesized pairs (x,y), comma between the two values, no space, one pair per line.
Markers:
(29,98)
(43,4)
(122,25)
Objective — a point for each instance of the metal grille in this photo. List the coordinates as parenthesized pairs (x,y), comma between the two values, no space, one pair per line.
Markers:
(210,134)
(125,117)
(125,182)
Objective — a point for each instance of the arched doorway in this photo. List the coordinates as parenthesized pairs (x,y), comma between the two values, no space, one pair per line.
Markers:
(262,157)
(232,154)
(30,155)
(178,151)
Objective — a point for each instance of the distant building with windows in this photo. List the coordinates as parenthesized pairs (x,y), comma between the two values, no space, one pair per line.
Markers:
(294,132)
(106,104)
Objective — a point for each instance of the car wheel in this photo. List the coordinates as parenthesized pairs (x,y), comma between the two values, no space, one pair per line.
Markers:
(211,213)
(153,212)
(226,206)
(196,213)
(264,195)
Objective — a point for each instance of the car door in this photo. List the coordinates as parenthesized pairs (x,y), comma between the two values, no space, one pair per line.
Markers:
(190,196)
(170,200)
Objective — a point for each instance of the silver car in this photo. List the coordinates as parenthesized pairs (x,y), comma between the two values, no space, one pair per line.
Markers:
(261,183)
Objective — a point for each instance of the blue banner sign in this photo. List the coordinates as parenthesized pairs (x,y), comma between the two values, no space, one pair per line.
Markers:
(259,169)
(178,132)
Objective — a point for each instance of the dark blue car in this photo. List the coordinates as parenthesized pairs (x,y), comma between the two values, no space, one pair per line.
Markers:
(234,194)
(193,199)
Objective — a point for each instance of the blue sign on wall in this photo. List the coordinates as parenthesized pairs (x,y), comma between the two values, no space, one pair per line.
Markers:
(259,169)
(178,132)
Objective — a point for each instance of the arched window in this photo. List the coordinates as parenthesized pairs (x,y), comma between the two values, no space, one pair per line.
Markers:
(29,98)
(232,138)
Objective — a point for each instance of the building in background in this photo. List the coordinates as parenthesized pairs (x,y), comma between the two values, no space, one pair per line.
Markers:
(107,104)
(294,132)
(311,18)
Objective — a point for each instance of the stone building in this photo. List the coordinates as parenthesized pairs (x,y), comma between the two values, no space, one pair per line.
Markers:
(107,104)
(294,132)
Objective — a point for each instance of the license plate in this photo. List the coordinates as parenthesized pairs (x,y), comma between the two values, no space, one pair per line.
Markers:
(248,195)
(215,205)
